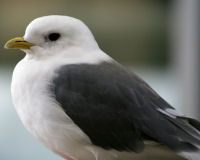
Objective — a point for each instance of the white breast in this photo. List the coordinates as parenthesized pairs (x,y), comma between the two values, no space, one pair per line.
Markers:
(39,112)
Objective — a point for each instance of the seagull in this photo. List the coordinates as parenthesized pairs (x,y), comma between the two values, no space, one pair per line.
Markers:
(83,105)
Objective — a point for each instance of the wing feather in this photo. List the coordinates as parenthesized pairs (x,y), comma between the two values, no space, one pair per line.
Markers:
(118,110)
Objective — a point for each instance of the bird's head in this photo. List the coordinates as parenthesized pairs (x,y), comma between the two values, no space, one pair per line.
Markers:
(53,34)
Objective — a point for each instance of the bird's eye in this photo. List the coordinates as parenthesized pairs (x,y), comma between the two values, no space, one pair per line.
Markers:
(53,36)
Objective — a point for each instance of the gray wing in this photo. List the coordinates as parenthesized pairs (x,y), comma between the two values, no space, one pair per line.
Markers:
(118,110)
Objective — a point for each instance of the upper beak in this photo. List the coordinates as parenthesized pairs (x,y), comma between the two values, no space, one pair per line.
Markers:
(18,43)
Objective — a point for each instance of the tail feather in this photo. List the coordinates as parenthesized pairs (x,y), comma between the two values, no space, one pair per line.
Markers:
(191,127)
(192,122)
(186,142)
(194,126)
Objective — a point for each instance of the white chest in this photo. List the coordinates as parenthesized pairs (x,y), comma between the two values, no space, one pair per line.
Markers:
(29,84)
(39,112)
(30,95)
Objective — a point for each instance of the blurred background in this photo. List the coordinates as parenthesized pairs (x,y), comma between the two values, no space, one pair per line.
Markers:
(157,39)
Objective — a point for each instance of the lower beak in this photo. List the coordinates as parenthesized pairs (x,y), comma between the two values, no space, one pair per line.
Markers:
(18,43)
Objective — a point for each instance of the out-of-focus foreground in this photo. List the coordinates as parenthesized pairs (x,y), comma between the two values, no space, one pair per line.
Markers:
(157,39)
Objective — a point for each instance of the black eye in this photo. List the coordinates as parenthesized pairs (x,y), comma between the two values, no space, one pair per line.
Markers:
(53,36)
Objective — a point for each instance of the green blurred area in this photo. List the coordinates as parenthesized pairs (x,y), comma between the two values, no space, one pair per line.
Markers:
(135,32)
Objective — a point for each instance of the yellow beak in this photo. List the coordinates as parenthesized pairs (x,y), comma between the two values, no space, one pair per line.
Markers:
(18,43)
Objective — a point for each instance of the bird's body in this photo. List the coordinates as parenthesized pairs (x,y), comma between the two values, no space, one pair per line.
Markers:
(48,122)
(83,105)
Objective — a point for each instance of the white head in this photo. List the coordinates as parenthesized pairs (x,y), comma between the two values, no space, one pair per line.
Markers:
(54,34)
